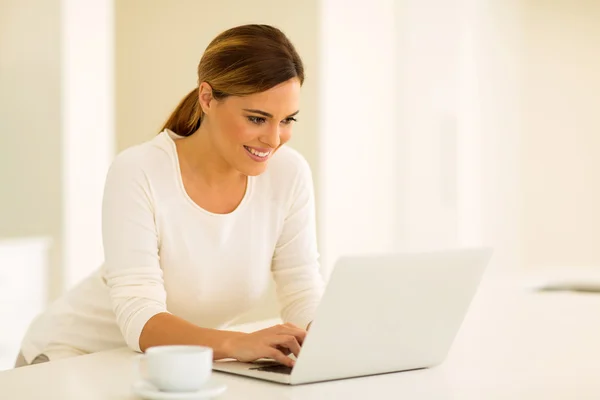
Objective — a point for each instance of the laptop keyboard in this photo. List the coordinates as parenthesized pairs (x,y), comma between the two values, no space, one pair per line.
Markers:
(277,368)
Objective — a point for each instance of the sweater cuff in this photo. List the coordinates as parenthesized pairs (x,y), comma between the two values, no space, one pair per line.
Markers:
(301,319)
(138,321)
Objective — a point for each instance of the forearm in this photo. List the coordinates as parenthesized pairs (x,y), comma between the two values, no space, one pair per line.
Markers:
(167,329)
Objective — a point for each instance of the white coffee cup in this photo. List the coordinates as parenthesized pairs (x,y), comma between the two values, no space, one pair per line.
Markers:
(177,368)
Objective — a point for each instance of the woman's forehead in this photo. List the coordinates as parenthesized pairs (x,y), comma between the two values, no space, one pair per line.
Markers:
(281,99)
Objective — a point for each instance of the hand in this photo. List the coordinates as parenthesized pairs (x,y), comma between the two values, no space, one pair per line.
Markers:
(276,342)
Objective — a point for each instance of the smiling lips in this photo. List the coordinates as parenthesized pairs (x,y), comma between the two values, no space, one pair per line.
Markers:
(258,154)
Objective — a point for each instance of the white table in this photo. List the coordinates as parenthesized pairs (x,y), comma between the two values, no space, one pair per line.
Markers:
(512,345)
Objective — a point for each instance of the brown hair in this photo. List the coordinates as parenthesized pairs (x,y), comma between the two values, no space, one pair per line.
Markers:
(240,61)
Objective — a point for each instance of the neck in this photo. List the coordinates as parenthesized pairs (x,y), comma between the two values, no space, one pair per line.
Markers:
(199,155)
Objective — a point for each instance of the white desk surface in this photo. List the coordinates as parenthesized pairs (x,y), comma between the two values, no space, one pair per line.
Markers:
(512,345)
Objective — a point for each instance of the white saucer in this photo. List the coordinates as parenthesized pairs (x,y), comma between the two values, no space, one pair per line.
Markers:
(148,391)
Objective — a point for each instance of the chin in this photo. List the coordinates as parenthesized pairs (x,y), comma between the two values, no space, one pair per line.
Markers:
(254,171)
(251,168)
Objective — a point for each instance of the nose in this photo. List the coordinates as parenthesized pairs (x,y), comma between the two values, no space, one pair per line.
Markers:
(272,137)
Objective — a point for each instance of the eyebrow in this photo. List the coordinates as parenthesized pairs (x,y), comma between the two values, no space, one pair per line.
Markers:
(266,114)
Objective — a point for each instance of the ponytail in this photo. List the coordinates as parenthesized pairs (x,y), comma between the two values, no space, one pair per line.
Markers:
(187,117)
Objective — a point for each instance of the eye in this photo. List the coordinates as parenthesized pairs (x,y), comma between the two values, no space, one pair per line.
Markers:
(289,120)
(256,120)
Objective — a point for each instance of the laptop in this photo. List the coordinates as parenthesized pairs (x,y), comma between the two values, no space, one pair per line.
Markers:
(381,314)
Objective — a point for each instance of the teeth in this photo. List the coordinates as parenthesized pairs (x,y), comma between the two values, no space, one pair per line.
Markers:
(257,153)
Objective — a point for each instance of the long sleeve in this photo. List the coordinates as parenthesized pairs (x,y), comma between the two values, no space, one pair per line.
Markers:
(161,249)
(295,266)
(131,267)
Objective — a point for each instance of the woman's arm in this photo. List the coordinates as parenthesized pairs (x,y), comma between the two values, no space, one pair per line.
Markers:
(165,328)
(295,265)
(276,342)
(131,269)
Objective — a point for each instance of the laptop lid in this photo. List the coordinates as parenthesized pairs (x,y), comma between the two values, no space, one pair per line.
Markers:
(387,313)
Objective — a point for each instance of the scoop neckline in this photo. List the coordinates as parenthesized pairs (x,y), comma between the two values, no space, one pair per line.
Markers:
(181,186)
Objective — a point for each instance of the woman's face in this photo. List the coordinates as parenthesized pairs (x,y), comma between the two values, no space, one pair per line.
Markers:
(247,131)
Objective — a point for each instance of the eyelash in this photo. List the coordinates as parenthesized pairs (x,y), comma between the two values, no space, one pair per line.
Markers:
(262,120)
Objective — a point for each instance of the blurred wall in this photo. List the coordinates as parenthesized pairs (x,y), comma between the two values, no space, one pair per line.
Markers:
(87,81)
(497,37)
(159,44)
(357,136)
(30,119)
(561,132)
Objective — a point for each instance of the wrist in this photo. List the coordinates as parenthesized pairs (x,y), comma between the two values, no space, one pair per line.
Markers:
(227,345)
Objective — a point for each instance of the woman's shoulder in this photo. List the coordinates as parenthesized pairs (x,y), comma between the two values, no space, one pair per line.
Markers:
(288,162)
(146,156)
(287,170)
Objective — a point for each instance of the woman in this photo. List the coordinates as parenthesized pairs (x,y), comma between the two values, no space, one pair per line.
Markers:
(197,220)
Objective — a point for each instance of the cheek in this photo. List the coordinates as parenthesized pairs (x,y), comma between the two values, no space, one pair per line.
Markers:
(285,135)
(236,132)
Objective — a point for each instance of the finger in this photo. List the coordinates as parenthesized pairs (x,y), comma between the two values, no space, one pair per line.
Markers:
(290,329)
(279,357)
(288,342)
(284,350)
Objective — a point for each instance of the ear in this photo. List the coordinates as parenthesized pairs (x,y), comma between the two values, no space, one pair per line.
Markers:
(205,97)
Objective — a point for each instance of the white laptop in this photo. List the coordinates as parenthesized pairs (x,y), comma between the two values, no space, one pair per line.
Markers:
(381,314)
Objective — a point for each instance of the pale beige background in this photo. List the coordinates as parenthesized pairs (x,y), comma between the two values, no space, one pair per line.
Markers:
(30,124)
(561,133)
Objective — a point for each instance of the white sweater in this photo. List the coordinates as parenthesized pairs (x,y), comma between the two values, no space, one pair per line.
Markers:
(164,253)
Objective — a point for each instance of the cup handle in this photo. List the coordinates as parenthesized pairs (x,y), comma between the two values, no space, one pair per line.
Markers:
(137,361)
